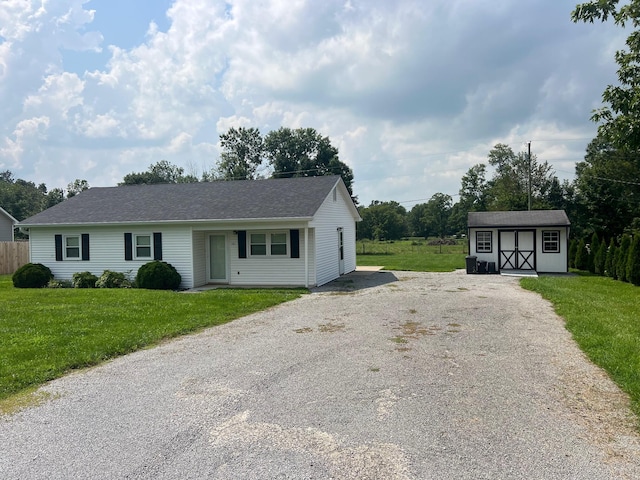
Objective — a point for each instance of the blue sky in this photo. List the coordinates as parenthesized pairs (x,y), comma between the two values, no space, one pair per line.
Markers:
(412,92)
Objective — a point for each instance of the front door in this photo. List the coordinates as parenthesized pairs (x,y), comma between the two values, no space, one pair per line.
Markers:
(517,250)
(340,251)
(218,258)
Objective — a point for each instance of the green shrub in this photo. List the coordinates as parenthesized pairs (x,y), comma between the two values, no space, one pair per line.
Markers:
(110,279)
(609,269)
(158,275)
(573,248)
(84,280)
(594,246)
(633,262)
(600,259)
(582,256)
(623,256)
(32,275)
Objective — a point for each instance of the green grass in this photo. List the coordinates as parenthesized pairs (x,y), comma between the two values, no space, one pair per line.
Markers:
(603,316)
(44,333)
(413,255)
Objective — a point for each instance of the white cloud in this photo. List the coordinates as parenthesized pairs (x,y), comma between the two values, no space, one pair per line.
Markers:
(413,93)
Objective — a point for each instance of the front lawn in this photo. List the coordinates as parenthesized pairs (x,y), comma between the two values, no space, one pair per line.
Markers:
(413,255)
(44,333)
(603,316)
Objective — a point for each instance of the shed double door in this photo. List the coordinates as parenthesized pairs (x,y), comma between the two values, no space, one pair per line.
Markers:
(517,249)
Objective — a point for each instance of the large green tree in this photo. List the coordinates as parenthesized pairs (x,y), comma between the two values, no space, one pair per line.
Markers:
(382,221)
(242,154)
(160,172)
(303,152)
(516,174)
(22,198)
(619,117)
(437,214)
(609,193)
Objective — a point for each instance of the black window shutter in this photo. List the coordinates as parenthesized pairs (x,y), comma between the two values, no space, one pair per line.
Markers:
(128,246)
(58,240)
(242,244)
(157,246)
(294,235)
(85,246)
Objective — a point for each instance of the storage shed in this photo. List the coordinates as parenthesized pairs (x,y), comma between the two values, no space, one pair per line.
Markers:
(536,240)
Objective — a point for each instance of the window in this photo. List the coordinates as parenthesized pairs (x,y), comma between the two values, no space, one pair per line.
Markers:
(143,246)
(258,244)
(483,242)
(72,247)
(278,244)
(268,244)
(551,241)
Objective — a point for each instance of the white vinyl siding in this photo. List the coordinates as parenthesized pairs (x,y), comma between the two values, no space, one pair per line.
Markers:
(199,259)
(330,217)
(107,250)
(270,270)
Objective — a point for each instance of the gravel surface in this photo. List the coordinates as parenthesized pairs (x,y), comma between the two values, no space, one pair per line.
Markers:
(379,375)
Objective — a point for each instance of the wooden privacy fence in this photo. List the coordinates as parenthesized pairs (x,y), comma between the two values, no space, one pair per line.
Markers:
(12,256)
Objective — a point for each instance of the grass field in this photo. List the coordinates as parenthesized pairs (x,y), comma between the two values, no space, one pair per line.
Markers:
(603,316)
(44,333)
(413,255)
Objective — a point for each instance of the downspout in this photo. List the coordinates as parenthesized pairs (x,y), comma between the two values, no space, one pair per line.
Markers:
(306,257)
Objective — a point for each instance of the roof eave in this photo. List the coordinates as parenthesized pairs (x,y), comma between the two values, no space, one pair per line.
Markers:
(172,222)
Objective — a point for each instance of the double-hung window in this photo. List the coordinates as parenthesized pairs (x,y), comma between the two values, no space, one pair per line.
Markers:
(143,246)
(483,242)
(72,247)
(271,244)
(551,241)
(278,243)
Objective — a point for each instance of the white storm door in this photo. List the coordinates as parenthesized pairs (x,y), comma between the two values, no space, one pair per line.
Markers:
(218,258)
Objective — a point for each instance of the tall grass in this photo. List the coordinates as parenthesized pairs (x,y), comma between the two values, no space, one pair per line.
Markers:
(47,332)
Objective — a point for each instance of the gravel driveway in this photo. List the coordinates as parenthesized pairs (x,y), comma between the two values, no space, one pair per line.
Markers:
(384,375)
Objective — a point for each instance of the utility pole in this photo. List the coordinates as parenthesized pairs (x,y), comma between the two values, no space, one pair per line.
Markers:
(529,145)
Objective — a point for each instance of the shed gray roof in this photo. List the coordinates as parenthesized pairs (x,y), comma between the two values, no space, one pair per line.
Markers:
(533,218)
(234,200)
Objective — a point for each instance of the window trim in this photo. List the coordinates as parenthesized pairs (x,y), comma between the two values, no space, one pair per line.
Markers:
(65,247)
(135,246)
(557,241)
(268,244)
(478,241)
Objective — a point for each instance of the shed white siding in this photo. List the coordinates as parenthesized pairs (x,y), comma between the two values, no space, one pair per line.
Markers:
(545,262)
(334,213)
(554,262)
(484,256)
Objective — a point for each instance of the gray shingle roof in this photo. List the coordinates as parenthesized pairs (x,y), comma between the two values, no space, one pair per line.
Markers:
(533,218)
(237,200)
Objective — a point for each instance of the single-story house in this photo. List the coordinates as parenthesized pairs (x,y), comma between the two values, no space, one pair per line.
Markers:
(529,240)
(7,222)
(287,232)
